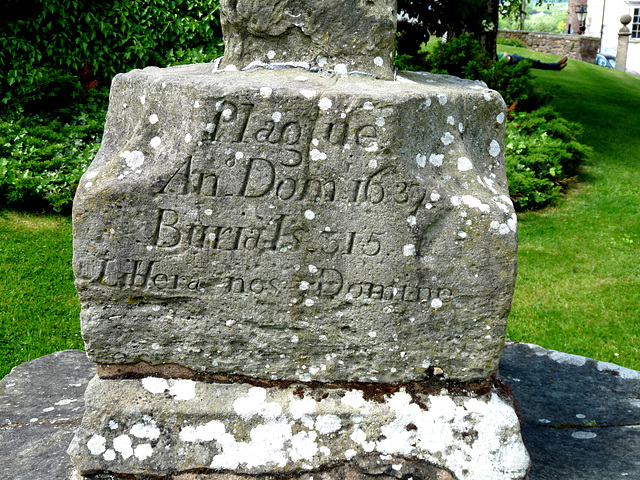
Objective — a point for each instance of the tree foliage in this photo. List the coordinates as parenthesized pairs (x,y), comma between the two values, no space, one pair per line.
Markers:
(424,18)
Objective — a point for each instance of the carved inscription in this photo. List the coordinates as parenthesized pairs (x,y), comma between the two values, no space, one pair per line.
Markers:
(213,205)
(279,233)
(260,178)
(144,275)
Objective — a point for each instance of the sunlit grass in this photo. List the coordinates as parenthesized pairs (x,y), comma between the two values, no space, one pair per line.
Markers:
(38,303)
(578,286)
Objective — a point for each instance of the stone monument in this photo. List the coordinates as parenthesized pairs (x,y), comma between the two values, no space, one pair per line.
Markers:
(295,264)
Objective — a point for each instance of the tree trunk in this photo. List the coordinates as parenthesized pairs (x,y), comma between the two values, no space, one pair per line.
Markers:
(489,37)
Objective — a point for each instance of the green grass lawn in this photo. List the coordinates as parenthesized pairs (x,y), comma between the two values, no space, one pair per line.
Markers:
(39,307)
(578,287)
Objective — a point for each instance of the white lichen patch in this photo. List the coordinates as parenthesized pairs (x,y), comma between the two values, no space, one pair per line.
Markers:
(309,214)
(143,451)
(436,159)
(471,202)
(303,446)
(372,148)
(409,250)
(325,103)
(299,408)
(464,164)
(316,155)
(421,160)
(307,93)
(97,444)
(368,106)
(447,138)
(255,404)
(378,61)
(494,148)
(153,119)
(155,142)
(179,389)
(133,159)
(276,116)
(326,424)
(122,445)
(500,118)
(442,98)
(341,69)
(266,92)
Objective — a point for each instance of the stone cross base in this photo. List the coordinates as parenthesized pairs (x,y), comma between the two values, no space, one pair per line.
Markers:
(157,426)
(287,229)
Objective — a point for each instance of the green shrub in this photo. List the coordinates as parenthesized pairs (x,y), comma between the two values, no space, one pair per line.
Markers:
(541,153)
(97,39)
(43,154)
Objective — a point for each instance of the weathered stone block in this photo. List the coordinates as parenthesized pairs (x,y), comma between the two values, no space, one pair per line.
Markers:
(291,225)
(155,426)
(329,35)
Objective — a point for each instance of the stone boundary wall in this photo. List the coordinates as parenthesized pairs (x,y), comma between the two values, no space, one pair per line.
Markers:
(578,47)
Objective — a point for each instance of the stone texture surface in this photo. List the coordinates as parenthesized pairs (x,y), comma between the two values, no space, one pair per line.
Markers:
(385,468)
(345,36)
(41,406)
(291,225)
(580,417)
(547,385)
(156,426)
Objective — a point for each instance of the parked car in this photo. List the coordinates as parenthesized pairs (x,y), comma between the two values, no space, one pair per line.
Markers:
(606,60)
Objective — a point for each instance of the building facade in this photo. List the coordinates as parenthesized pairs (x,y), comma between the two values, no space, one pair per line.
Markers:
(603,20)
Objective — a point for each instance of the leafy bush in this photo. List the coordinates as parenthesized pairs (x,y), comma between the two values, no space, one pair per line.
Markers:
(97,39)
(54,59)
(541,153)
(44,154)
(541,148)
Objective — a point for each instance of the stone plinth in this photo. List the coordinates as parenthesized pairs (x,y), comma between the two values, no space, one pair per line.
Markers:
(153,426)
(286,225)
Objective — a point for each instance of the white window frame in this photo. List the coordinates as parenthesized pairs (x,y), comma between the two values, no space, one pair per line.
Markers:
(635,22)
